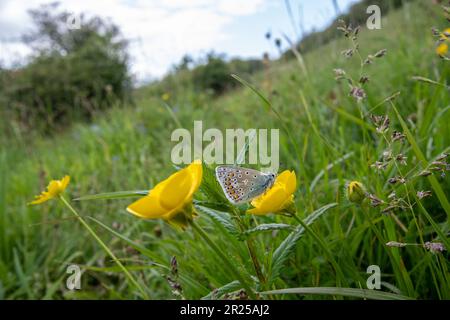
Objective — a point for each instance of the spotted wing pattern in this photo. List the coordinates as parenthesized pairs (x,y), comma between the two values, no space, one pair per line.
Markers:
(241,185)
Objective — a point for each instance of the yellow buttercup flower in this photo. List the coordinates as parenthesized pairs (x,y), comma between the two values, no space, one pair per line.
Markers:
(279,198)
(54,189)
(171,199)
(442,49)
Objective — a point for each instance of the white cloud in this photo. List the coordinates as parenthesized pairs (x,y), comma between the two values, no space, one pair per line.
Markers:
(239,7)
(160,31)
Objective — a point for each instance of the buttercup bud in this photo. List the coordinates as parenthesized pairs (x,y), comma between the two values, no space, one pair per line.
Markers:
(355,192)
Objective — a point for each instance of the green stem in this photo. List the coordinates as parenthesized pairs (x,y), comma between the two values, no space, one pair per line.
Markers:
(251,248)
(224,258)
(256,265)
(105,247)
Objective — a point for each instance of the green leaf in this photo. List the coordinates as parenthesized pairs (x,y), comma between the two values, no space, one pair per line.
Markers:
(286,248)
(211,188)
(219,292)
(114,195)
(220,217)
(118,269)
(268,227)
(347,292)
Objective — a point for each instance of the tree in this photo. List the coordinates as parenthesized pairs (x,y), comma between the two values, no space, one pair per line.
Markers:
(73,71)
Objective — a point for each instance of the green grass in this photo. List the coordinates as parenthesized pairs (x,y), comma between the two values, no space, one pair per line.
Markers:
(323,138)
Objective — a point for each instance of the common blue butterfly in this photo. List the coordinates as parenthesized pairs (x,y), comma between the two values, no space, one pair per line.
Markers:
(241,185)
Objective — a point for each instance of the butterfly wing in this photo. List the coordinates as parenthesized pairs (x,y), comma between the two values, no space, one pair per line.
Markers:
(242,184)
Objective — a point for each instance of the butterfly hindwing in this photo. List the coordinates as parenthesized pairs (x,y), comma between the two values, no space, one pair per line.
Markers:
(242,184)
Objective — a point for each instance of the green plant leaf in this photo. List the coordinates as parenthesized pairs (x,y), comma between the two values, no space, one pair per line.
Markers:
(211,188)
(114,195)
(219,292)
(286,248)
(268,227)
(335,291)
(220,217)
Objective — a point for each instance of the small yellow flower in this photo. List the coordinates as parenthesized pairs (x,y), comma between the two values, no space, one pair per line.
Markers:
(442,49)
(165,96)
(171,199)
(355,192)
(54,189)
(279,198)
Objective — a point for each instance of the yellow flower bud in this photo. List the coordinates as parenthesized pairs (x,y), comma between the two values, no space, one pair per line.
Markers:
(442,49)
(355,192)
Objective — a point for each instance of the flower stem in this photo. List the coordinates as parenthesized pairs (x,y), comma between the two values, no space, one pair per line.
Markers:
(105,247)
(256,265)
(224,258)
(251,248)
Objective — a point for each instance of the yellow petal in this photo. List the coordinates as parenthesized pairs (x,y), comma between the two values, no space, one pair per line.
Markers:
(176,190)
(54,188)
(147,207)
(289,180)
(44,196)
(65,182)
(196,170)
(170,196)
(271,202)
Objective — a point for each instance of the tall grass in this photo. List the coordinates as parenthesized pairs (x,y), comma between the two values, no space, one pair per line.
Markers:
(325,140)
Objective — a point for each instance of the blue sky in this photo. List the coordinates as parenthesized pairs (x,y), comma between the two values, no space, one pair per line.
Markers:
(162,31)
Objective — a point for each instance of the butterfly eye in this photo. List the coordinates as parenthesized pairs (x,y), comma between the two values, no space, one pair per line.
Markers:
(240,176)
(246,172)
(254,176)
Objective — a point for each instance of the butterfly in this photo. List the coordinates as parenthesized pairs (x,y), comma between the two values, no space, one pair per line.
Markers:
(242,184)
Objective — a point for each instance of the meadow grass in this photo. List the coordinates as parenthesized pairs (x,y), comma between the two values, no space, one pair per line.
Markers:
(326,137)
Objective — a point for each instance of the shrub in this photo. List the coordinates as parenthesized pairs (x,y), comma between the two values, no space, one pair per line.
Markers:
(72,73)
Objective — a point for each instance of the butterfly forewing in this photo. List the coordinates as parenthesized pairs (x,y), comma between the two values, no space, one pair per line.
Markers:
(241,184)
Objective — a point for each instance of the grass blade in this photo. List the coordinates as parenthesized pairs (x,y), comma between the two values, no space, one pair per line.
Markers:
(432,179)
(113,195)
(346,292)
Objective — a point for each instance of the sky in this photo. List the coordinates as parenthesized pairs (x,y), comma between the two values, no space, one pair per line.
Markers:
(162,31)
